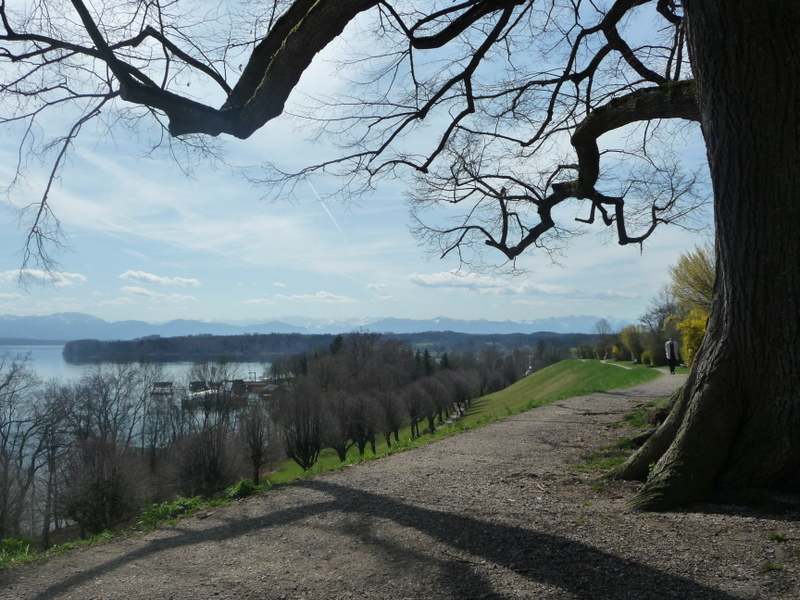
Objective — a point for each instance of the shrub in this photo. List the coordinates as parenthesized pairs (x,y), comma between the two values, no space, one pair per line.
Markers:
(242,489)
(104,487)
(692,329)
(632,338)
(155,514)
(620,353)
(648,358)
(206,462)
(15,548)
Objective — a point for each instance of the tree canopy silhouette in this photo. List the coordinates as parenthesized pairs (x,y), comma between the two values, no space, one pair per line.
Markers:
(508,113)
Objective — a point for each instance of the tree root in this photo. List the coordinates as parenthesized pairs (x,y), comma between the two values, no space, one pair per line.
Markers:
(639,464)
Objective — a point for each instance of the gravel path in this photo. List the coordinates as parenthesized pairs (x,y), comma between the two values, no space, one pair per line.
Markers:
(497,512)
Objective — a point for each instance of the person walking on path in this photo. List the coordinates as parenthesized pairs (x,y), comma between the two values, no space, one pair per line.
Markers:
(671,349)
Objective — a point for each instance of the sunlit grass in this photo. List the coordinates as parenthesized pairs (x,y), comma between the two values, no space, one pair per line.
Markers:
(663,369)
(566,379)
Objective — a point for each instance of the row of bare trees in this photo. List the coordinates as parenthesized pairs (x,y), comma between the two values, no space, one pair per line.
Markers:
(367,388)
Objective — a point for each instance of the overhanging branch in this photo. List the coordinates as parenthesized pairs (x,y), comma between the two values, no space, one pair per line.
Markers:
(677,100)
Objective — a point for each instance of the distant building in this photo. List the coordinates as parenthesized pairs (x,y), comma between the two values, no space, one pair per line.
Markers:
(162,389)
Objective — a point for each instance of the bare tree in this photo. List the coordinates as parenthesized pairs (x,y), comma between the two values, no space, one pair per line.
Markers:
(19,448)
(300,418)
(604,334)
(548,353)
(161,422)
(656,319)
(105,480)
(206,460)
(395,365)
(466,385)
(660,323)
(54,438)
(338,419)
(363,420)
(418,405)
(207,456)
(258,436)
(360,350)
(392,415)
(441,396)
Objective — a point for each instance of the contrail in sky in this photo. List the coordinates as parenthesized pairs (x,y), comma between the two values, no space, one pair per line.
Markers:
(321,201)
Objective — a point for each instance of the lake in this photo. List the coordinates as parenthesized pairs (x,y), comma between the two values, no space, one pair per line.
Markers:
(48,362)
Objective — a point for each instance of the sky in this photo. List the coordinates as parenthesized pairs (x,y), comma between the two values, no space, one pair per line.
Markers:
(148,242)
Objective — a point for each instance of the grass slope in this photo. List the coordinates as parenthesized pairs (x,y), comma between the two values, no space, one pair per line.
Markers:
(566,379)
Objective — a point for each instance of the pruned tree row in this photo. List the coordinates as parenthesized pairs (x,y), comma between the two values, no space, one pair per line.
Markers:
(366,388)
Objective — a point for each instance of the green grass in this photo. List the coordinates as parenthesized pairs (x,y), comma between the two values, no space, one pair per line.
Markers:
(168,512)
(607,457)
(626,363)
(16,550)
(566,379)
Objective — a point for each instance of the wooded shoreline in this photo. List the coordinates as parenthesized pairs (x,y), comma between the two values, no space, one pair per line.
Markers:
(267,347)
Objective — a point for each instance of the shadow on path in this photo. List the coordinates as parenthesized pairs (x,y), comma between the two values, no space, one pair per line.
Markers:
(580,570)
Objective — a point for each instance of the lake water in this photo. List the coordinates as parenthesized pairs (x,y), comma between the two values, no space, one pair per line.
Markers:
(48,362)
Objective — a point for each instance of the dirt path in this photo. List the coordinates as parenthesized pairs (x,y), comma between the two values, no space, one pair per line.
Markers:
(498,512)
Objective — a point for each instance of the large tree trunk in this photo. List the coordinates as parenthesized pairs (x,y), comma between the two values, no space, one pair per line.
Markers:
(737,423)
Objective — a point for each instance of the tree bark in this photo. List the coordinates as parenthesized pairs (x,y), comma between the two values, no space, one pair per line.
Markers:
(740,413)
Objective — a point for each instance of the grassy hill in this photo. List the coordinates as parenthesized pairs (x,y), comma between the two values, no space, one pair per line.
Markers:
(566,379)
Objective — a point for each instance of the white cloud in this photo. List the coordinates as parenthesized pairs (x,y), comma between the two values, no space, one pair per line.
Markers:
(57,278)
(156,296)
(615,295)
(279,284)
(142,277)
(483,284)
(325,297)
(137,291)
(258,301)
(379,293)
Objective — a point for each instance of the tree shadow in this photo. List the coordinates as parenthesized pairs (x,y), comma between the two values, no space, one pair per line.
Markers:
(574,567)
(473,547)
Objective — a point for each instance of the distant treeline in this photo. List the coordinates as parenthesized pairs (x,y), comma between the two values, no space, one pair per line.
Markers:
(267,347)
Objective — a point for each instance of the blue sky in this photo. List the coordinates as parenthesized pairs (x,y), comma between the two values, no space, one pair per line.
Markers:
(147,242)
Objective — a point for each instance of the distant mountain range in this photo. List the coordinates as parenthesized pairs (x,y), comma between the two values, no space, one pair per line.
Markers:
(75,326)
